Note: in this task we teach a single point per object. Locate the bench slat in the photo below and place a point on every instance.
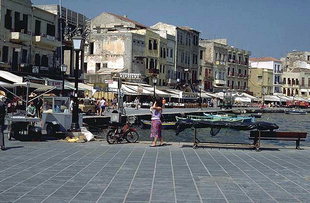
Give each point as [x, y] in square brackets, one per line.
[279, 135]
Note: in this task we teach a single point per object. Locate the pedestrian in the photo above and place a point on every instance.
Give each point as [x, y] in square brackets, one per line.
[2, 117]
[137, 103]
[114, 103]
[97, 105]
[31, 110]
[156, 125]
[102, 106]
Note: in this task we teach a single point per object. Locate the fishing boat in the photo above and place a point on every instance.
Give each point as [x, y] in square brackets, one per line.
[217, 117]
[146, 124]
[296, 112]
[227, 117]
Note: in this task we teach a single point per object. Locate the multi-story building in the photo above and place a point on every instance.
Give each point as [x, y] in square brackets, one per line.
[155, 54]
[261, 81]
[186, 52]
[28, 39]
[116, 46]
[296, 74]
[238, 69]
[167, 52]
[216, 53]
[296, 59]
[272, 64]
[68, 22]
[205, 71]
[297, 82]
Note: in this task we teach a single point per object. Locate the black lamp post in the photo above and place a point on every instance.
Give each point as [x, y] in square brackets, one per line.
[63, 69]
[200, 99]
[77, 46]
[154, 83]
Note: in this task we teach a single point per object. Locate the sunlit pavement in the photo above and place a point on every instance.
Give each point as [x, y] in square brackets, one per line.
[55, 171]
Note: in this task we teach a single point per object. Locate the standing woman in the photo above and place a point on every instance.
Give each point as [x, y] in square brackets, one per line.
[156, 110]
[2, 116]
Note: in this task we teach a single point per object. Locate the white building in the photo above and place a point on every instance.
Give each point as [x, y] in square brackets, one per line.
[271, 64]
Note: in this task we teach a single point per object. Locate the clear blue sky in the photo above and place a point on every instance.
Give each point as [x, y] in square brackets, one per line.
[265, 27]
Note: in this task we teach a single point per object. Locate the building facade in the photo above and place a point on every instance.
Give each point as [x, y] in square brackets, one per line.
[186, 52]
[28, 39]
[272, 64]
[238, 69]
[261, 81]
[297, 82]
[68, 22]
[216, 54]
[115, 46]
[229, 65]
[296, 73]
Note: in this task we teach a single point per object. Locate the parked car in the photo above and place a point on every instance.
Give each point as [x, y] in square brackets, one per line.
[87, 106]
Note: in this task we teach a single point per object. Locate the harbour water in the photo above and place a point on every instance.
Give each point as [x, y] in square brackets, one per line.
[285, 122]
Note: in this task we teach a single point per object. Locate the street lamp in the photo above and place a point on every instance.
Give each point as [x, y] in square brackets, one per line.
[200, 99]
[77, 42]
[154, 82]
[63, 69]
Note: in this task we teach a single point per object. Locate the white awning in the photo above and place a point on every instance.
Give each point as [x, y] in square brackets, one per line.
[128, 91]
[271, 98]
[243, 99]
[10, 77]
[82, 86]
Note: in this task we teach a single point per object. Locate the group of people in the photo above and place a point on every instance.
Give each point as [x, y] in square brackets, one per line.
[102, 104]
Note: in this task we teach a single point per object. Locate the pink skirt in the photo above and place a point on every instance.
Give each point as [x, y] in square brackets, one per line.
[156, 128]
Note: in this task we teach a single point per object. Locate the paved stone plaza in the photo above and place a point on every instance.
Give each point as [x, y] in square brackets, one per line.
[55, 171]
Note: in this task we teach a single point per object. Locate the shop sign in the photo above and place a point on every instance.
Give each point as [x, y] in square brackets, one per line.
[34, 80]
[55, 83]
[132, 76]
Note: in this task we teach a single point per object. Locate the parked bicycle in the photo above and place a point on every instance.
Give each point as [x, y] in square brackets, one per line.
[120, 132]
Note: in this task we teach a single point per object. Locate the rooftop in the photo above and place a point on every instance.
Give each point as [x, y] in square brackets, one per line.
[264, 59]
[124, 18]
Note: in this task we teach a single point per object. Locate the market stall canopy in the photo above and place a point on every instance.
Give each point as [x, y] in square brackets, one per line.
[243, 99]
[10, 77]
[82, 86]
[271, 98]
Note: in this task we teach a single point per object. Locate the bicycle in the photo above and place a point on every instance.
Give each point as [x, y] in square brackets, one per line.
[120, 132]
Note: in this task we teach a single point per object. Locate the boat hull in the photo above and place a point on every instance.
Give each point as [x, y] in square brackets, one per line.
[146, 124]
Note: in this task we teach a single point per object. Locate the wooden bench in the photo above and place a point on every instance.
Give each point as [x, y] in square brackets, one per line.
[275, 135]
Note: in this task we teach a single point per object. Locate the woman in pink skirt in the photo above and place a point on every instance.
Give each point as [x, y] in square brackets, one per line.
[156, 110]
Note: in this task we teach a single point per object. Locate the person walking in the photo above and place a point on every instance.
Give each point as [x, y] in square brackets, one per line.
[2, 116]
[137, 103]
[102, 106]
[156, 124]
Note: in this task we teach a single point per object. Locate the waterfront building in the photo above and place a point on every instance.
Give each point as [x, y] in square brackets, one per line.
[205, 75]
[216, 54]
[261, 81]
[28, 40]
[238, 69]
[297, 82]
[230, 65]
[186, 53]
[118, 44]
[296, 59]
[272, 64]
[296, 74]
[115, 47]
[68, 22]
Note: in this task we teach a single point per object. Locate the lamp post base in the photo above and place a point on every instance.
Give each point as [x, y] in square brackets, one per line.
[75, 127]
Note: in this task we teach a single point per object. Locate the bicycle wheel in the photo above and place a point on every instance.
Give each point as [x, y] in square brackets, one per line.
[131, 136]
[111, 138]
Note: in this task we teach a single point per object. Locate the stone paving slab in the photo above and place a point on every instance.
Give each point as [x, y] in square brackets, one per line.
[55, 171]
